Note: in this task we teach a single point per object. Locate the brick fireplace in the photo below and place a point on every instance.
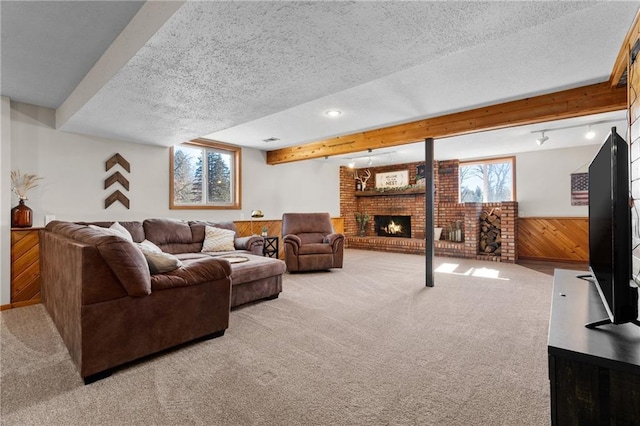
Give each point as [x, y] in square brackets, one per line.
[409, 203]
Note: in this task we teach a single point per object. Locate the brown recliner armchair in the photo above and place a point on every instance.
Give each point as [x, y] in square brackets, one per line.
[310, 243]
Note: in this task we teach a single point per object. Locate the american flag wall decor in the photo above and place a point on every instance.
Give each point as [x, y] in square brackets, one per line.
[580, 189]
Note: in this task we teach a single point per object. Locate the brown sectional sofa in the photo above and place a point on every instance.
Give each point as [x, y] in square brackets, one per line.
[108, 307]
[259, 278]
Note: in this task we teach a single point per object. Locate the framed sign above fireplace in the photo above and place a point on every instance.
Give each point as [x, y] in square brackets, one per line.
[392, 179]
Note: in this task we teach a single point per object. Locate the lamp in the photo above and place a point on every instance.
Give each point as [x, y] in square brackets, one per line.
[254, 214]
[542, 139]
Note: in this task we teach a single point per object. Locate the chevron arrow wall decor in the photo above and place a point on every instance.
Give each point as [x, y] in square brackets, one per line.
[118, 159]
[116, 177]
[116, 196]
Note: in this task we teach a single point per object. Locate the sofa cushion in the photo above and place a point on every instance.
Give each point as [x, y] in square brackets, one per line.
[167, 231]
[172, 236]
[311, 237]
[258, 267]
[218, 239]
[193, 272]
[315, 249]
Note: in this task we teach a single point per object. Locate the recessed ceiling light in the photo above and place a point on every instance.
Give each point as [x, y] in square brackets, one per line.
[333, 113]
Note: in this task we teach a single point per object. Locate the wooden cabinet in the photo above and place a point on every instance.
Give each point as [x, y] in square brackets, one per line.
[25, 266]
[594, 373]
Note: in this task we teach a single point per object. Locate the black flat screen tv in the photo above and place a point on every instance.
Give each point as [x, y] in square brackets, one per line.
[610, 231]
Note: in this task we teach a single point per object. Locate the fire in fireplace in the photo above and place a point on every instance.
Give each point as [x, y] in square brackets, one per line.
[393, 226]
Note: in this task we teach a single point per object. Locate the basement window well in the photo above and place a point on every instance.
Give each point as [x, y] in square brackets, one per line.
[205, 175]
[487, 181]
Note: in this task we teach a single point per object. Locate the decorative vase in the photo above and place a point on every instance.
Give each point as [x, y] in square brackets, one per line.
[21, 216]
[363, 229]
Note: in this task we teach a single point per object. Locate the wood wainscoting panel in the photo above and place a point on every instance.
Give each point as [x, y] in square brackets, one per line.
[554, 238]
[25, 266]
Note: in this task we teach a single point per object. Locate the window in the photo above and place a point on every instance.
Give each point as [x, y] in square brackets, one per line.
[487, 181]
[205, 175]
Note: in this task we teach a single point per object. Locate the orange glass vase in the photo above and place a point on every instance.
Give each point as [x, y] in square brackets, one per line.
[21, 216]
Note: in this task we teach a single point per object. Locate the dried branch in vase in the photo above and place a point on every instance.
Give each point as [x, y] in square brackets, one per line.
[20, 183]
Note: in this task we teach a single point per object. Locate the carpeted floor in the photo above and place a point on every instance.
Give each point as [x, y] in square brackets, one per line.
[364, 345]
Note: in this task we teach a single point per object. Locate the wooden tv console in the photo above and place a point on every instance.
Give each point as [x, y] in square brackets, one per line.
[594, 373]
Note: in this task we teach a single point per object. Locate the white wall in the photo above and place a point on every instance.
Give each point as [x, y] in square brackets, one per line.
[5, 200]
[543, 181]
[73, 168]
[73, 186]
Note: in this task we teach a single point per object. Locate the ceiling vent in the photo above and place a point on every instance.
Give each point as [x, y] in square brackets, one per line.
[271, 139]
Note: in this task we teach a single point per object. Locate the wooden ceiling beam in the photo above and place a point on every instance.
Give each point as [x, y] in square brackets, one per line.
[581, 101]
[620, 66]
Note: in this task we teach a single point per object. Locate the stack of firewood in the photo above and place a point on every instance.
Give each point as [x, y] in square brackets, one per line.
[490, 238]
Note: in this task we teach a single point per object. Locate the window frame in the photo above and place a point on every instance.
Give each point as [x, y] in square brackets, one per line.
[511, 159]
[236, 174]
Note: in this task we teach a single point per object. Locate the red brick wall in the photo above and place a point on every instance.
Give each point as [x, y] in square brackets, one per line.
[447, 188]
[397, 205]
[447, 211]
[348, 200]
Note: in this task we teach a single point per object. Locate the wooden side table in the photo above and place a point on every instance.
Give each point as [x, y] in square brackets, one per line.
[271, 247]
[25, 266]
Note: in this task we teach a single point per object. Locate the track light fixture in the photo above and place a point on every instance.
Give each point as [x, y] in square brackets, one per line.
[590, 133]
[369, 156]
[542, 139]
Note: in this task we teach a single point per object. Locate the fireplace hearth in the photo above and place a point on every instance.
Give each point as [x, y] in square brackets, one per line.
[393, 226]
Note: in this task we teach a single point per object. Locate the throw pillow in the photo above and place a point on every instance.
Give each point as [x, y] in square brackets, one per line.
[115, 229]
[217, 239]
[159, 262]
[150, 246]
[122, 230]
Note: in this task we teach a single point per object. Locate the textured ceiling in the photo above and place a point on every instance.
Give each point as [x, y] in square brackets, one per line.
[48, 47]
[241, 72]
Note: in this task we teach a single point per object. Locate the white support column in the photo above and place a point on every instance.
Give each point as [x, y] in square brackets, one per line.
[5, 200]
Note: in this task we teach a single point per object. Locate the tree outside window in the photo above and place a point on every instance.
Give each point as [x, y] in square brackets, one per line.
[206, 175]
[487, 181]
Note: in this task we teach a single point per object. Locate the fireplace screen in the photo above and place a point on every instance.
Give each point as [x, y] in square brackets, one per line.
[393, 226]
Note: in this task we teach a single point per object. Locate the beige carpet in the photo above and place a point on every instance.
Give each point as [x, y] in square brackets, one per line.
[368, 344]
